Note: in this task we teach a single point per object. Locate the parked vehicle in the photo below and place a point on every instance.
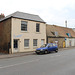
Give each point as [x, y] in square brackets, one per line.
[46, 48]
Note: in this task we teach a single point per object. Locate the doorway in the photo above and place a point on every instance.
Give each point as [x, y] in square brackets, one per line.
[16, 43]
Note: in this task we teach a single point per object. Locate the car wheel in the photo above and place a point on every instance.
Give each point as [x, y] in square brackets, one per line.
[56, 50]
[37, 53]
[46, 52]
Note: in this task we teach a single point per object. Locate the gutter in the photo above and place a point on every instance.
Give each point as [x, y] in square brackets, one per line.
[20, 18]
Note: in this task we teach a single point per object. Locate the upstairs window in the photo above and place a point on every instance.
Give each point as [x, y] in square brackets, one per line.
[37, 27]
[23, 26]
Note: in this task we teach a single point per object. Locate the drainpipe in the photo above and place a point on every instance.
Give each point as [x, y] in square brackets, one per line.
[47, 39]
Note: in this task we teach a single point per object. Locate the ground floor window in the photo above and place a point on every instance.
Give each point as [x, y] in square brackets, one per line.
[34, 42]
[26, 42]
[42, 41]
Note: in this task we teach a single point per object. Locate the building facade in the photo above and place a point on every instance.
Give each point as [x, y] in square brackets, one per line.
[70, 42]
[25, 32]
[62, 36]
[74, 29]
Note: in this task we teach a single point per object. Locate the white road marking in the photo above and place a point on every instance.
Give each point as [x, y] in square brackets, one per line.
[19, 64]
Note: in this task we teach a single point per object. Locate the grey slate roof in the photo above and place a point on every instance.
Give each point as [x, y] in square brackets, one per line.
[25, 16]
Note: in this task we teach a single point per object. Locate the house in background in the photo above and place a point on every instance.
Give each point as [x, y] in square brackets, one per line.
[62, 36]
[74, 29]
[2, 16]
[21, 32]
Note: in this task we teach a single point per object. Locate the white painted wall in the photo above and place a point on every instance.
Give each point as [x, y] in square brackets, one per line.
[68, 42]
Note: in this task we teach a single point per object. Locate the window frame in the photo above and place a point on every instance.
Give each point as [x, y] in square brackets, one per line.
[26, 45]
[35, 43]
[24, 26]
[37, 27]
[43, 41]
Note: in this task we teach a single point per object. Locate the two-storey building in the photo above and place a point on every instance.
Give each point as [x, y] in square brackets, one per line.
[22, 32]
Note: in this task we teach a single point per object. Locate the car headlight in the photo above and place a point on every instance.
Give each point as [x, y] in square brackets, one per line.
[41, 49]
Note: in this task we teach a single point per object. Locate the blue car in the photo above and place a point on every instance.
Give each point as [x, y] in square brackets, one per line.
[46, 48]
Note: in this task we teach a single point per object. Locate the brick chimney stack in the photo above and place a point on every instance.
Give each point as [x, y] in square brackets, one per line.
[2, 16]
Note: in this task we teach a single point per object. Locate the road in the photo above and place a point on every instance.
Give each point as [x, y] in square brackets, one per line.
[61, 63]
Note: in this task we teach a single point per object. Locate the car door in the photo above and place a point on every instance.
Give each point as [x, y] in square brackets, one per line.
[50, 48]
[54, 46]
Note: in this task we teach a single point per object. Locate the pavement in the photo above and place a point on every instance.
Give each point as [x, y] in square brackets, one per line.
[3, 56]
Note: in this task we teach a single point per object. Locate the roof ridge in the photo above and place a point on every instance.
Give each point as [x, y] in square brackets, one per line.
[61, 27]
[25, 16]
[25, 13]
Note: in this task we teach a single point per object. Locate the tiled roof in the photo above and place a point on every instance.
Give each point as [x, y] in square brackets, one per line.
[61, 31]
[25, 16]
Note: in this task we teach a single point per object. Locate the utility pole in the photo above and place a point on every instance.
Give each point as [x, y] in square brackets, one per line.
[66, 23]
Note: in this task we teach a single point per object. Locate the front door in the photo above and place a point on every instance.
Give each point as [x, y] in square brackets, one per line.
[15, 45]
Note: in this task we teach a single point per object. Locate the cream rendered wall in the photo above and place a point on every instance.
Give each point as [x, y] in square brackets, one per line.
[31, 34]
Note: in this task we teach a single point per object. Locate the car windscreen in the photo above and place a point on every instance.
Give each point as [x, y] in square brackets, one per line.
[44, 45]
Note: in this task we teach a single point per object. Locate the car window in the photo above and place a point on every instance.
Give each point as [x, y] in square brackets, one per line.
[50, 45]
[44, 45]
[54, 44]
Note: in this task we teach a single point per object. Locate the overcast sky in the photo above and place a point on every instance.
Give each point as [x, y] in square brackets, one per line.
[51, 11]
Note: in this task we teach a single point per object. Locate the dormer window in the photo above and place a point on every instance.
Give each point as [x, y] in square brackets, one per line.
[55, 33]
[68, 34]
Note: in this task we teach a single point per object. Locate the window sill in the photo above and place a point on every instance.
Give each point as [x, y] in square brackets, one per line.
[26, 47]
[24, 31]
[37, 32]
[35, 47]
